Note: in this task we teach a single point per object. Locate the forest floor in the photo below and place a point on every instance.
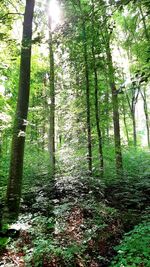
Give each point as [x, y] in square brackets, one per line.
[83, 232]
[76, 221]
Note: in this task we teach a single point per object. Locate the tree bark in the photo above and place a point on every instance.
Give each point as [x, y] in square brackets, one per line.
[144, 23]
[107, 114]
[147, 124]
[134, 128]
[52, 105]
[118, 153]
[125, 123]
[132, 106]
[18, 141]
[87, 84]
[146, 115]
[99, 134]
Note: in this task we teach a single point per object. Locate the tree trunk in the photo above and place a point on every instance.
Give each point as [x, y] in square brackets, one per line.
[87, 84]
[17, 153]
[118, 153]
[100, 150]
[132, 111]
[107, 114]
[147, 124]
[125, 123]
[146, 116]
[99, 134]
[1, 145]
[144, 23]
[134, 128]
[52, 105]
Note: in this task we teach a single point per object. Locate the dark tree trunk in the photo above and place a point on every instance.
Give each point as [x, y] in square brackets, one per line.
[32, 121]
[52, 106]
[134, 128]
[147, 124]
[99, 134]
[144, 23]
[100, 149]
[17, 153]
[1, 145]
[125, 123]
[132, 106]
[143, 94]
[118, 153]
[87, 84]
[107, 114]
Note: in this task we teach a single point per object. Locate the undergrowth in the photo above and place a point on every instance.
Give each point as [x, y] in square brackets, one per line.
[134, 249]
[80, 220]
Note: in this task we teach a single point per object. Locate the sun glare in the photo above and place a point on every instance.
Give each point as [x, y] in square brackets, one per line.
[54, 13]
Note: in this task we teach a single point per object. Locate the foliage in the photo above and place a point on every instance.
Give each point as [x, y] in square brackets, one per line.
[48, 251]
[37, 166]
[69, 238]
[77, 218]
[3, 242]
[132, 190]
[134, 249]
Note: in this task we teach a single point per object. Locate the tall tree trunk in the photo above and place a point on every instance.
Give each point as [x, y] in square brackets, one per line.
[32, 128]
[146, 116]
[118, 153]
[144, 23]
[52, 105]
[147, 124]
[125, 123]
[107, 114]
[132, 106]
[99, 134]
[1, 145]
[134, 128]
[100, 149]
[85, 54]
[17, 153]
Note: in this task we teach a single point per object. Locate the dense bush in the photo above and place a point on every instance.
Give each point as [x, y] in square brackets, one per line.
[134, 249]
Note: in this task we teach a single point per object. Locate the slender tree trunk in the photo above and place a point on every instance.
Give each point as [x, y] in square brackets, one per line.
[126, 128]
[134, 128]
[144, 23]
[32, 129]
[1, 145]
[87, 84]
[99, 134]
[147, 124]
[52, 105]
[17, 153]
[132, 111]
[107, 114]
[87, 102]
[100, 149]
[146, 116]
[43, 136]
[118, 153]
[125, 123]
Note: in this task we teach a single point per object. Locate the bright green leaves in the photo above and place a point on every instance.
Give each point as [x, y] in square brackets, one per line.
[134, 249]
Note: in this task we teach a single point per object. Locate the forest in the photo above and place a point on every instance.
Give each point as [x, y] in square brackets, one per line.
[74, 133]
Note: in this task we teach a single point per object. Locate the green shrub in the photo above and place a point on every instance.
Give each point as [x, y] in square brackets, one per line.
[134, 249]
[3, 242]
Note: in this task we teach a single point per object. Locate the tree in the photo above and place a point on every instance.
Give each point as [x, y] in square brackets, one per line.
[52, 104]
[117, 139]
[99, 134]
[144, 97]
[87, 85]
[18, 141]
